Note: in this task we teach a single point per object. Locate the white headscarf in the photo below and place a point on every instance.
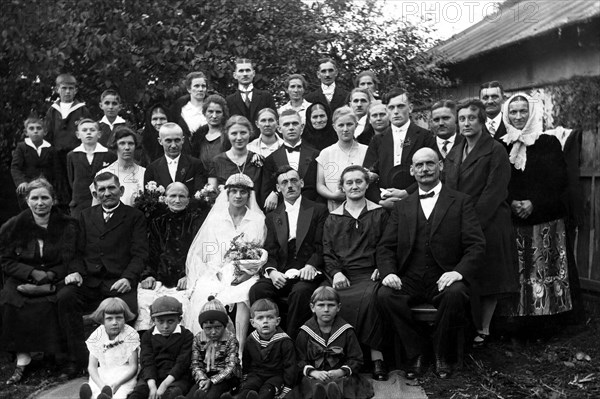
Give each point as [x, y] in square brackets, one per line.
[522, 138]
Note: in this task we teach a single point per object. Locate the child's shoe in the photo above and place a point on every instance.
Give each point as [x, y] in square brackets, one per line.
[319, 392]
[85, 392]
[252, 395]
[106, 390]
[333, 391]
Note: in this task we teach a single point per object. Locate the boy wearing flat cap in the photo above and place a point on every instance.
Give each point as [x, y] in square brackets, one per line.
[166, 353]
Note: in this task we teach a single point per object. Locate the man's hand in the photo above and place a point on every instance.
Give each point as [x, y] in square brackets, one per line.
[121, 286]
[308, 273]
[74, 278]
[340, 281]
[319, 375]
[389, 202]
[394, 193]
[447, 279]
[182, 283]
[38, 276]
[392, 281]
[278, 279]
[21, 188]
[271, 201]
[375, 275]
[148, 283]
[205, 385]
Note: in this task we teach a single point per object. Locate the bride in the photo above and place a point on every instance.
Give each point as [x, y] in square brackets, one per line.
[235, 211]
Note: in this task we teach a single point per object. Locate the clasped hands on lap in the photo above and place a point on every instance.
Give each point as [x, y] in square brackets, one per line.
[149, 283]
[307, 273]
[445, 280]
[325, 376]
[122, 285]
[340, 281]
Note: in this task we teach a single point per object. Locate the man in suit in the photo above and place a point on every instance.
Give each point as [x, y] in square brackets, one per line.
[443, 126]
[295, 245]
[329, 92]
[430, 252]
[390, 153]
[293, 152]
[247, 100]
[492, 96]
[111, 252]
[379, 118]
[175, 166]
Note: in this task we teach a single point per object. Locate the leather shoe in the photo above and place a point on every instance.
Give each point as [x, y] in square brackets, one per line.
[333, 391]
[416, 368]
[379, 371]
[319, 391]
[442, 368]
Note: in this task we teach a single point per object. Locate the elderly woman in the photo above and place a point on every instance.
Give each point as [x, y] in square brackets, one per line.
[479, 167]
[36, 247]
[171, 235]
[235, 213]
[318, 130]
[156, 116]
[350, 238]
[210, 139]
[368, 81]
[295, 86]
[333, 159]
[536, 196]
[130, 174]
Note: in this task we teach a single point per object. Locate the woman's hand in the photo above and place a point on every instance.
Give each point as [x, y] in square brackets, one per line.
[375, 275]
[257, 160]
[340, 281]
[148, 283]
[337, 373]
[522, 209]
[182, 283]
[205, 385]
[319, 375]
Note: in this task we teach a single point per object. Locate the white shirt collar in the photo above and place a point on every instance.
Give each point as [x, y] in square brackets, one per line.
[293, 207]
[292, 146]
[99, 148]
[436, 190]
[112, 209]
[497, 120]
[176, 331]
[175, 160]
[401, 129]
[249, 88]
[44, 144]
[328, 89]
[118, 120]
[450, 139]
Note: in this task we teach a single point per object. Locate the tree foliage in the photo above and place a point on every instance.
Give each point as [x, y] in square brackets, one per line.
[144, 48]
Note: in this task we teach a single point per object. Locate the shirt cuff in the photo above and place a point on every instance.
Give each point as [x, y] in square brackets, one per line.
[307, 369]
[268, 270]
[348, 369]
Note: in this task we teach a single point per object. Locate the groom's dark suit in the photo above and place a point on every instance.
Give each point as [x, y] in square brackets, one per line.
[419, 251]
[189, 172]
[306, 249]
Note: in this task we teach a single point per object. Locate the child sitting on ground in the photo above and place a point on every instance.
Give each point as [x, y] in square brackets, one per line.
[215, 362]
[269, 360]
[113, 350]
[166, 354]
[34, 158]
[84, 162]
[329, 353]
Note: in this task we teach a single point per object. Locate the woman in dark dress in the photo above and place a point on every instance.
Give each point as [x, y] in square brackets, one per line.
[479, 167]
[536, 195]
[156, 116]
[210, 139]
[318, 130]
[238, 159]
[36, 247]
[350, 238]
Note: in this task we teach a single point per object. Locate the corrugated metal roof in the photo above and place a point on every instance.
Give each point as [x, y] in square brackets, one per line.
[515, 21]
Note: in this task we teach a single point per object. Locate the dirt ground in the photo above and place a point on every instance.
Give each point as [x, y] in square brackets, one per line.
[548, 362]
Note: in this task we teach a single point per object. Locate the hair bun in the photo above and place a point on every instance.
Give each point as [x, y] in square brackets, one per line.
[211, 297]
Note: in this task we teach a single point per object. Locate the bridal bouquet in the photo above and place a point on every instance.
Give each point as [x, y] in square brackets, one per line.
[246, 257]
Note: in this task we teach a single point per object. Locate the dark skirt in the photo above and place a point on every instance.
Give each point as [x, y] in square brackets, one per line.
[543, 269]
[32, 327]
[360, 310]
[353, 387]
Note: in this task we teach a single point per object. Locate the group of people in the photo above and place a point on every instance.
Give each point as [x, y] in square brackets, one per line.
[334, 189]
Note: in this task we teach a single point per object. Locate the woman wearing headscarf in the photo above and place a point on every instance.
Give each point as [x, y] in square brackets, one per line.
[318, 130]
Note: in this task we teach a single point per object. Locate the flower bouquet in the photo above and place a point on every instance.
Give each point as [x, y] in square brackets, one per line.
[208, 194]
[151, 200]
[245, 257]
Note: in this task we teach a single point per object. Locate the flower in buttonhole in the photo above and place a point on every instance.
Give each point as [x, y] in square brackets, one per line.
[151, 186]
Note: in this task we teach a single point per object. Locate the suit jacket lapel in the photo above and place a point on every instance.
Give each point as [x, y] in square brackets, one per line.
[440, 209]
[481, 149]
[163, 170]
[409, 140]
[255, 101]
[281, 227]
[115, 220]
[303, 161]
[183, 167]
[412, 205]
[304, 219]
[280, 157]
[97, 219]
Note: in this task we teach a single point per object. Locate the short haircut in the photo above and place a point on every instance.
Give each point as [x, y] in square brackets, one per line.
[296, 76]
[124, 131]
[66, 78]
[34, 119]
[283, 169]
[366, 73]
[112, 305]
[194, 75]
[324, 293]
[219, 100]
[177, 184]
[171, 126]
[290, 112]
[490, 85]
[395, 92]
[325, 60]
[40, 182]
[239, 61]
[343, 111]
[444, 104]
[354, 168]
[263, 305]
[110, 92]
[269, 110]
[238, 120]
[474, 104]
[105, 176]
[359, 90]
[87, 120]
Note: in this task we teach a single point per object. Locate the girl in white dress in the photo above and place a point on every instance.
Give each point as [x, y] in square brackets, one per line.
[113, 347]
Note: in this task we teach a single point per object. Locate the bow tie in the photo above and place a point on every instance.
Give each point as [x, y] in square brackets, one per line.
[428, 195]
[292, 149]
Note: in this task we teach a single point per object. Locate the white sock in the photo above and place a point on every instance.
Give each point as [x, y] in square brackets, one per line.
[23, 359]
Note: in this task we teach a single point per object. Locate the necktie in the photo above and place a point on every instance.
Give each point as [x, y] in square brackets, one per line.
[428, 195]
[247, 98]
[292, 149]
[445, 148]
[107, 216]
[492, 128]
